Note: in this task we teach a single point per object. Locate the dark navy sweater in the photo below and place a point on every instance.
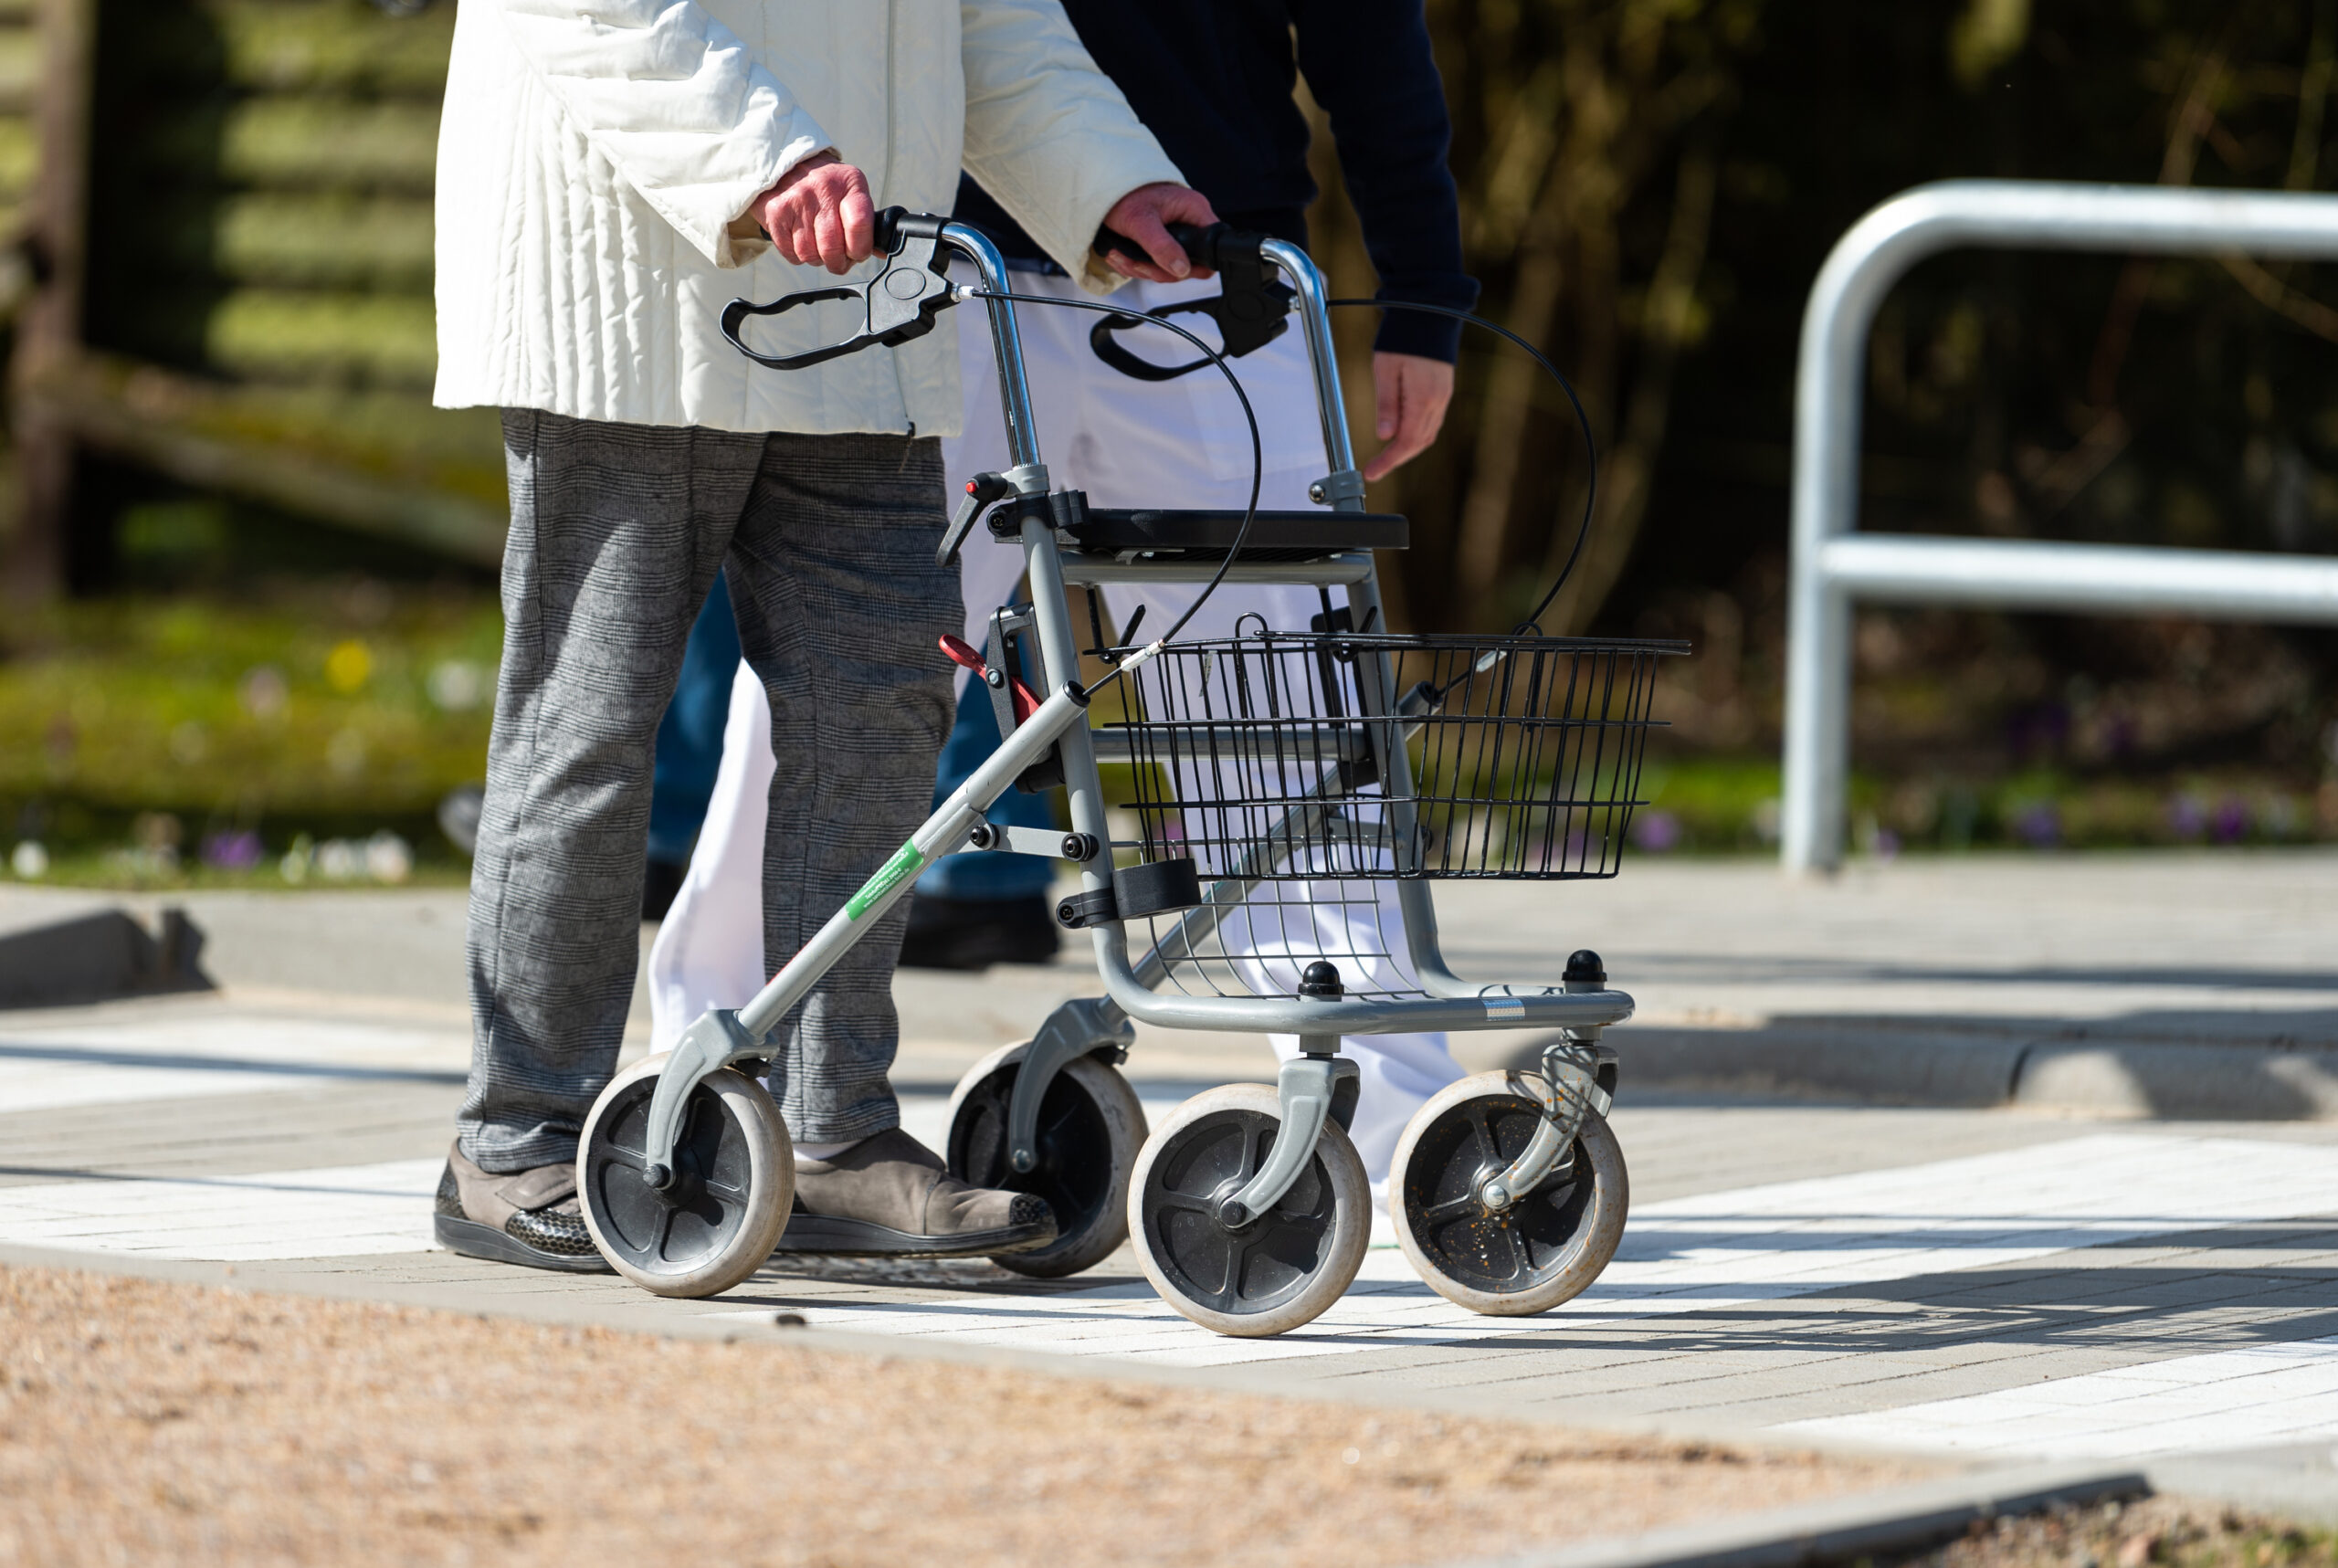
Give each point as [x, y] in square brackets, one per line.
[1213, 80]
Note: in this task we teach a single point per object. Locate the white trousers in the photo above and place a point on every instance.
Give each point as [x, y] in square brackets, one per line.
[1127, 443]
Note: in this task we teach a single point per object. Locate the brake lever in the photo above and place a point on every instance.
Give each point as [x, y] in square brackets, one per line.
[901, 303]
[1251, 310]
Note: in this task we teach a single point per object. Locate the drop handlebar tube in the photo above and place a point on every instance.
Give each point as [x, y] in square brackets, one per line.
[718, 1038]
[942, 832]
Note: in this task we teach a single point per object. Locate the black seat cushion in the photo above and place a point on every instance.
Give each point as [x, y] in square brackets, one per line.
[1288, 535]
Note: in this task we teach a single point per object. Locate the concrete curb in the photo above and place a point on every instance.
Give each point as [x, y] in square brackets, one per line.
[2283, 1068]
[2297, 1481]
[1840, 1530]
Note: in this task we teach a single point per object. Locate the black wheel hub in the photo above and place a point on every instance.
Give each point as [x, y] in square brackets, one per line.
[1499, 1250]
[693, 1219]
[1074, 1172]
[1252, 1267]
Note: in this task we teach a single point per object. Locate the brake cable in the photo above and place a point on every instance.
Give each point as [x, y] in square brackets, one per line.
[1590, 446]
[1257, 460]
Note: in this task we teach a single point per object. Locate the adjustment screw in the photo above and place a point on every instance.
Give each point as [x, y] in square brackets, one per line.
[981, 836]
[1077, 846]
[995, 678]
[1315, 492]
[1322, 980]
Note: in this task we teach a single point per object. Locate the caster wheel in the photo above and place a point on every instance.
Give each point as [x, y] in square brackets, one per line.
[1091, 1128]
[1542, 1250]
[1284, 1268]
[734, 1181]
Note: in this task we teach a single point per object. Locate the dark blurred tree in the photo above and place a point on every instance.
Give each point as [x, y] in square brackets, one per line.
[1650, 186]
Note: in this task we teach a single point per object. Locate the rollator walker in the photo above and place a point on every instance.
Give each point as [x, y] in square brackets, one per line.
[1265, 772]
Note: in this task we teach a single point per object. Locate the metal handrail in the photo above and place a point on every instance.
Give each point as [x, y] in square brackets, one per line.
[1832, 567]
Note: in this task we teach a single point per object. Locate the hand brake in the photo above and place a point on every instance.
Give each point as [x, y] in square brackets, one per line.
[899, 303]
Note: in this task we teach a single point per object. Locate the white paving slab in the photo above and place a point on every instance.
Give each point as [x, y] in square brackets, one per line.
[346, 1211]
[51, 1066]
[2254, 1397]
[1719, 1250]
[1735, 1249]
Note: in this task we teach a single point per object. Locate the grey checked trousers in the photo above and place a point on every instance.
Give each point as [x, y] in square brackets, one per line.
[616, 533]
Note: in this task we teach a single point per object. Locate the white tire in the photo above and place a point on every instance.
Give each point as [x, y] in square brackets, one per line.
[1283, 1270]
[734, 1182]
[1544, 1248]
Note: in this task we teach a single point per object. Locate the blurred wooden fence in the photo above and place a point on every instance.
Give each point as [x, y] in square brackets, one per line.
[224, 206]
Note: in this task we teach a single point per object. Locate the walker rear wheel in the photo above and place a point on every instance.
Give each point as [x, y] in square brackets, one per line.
[1091, 1128]
[734, 1181]
[1274, 1274]
[1544, 1248]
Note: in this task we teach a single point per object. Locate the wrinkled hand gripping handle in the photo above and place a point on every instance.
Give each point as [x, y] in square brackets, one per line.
[901, 303]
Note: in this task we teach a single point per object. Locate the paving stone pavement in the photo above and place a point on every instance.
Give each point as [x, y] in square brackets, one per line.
[1992, 1284]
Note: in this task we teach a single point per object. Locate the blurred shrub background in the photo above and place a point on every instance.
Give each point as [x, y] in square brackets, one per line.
[226, 475]
[1650, 188]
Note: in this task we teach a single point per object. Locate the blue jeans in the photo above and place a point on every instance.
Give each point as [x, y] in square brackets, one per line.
[985, 875]
[690, 737]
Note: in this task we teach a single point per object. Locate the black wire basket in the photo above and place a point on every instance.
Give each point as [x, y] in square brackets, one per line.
[1499, 758]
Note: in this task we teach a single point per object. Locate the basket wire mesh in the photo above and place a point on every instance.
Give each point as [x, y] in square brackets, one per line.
[1283, 756]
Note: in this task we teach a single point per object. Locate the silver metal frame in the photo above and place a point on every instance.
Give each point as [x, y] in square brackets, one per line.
[1833, 566]
[1310, 1086]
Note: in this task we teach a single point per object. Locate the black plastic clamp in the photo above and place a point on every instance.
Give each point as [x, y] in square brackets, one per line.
[1078, 911]
[1148, 888]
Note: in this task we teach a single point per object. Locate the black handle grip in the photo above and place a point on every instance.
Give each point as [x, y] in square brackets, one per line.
[1200, 244]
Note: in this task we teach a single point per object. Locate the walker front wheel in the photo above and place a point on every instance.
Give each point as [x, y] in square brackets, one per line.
[1091, 1128]
[1283, 1269]
[1546, 1246]
[734, 1181]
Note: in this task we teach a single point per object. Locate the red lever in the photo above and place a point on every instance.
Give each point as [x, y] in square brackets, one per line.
[963, 654]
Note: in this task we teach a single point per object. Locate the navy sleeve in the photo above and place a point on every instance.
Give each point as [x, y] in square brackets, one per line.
[1369, 64]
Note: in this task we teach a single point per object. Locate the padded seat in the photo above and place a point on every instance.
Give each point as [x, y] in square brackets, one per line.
[1274, 535]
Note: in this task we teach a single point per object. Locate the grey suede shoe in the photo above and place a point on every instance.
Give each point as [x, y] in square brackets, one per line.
[531, 1218]
[889, 1196]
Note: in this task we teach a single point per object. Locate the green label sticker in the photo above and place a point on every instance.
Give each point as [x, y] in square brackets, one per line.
[907, 861]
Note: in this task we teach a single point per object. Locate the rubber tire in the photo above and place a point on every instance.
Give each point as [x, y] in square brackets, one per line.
[751, 1125]
[1336, 1174]
[1119, 1117]
[1597, 1230]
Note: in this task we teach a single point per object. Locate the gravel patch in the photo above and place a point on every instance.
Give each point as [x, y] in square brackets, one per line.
[144, 1422]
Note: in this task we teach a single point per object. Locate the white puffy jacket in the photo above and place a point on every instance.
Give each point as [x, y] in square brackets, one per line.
[595, 159]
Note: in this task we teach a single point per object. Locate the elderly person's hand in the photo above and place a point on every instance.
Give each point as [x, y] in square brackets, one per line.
[820, 214]
[1413, 393]
[1144, 215]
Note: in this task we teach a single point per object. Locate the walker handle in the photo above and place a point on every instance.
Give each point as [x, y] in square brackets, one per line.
[901, 303]
[1200, 244]
[1251, 307]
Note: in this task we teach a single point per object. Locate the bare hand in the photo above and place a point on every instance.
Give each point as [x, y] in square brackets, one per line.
[1143, 216]
[1413, 393]
[820, 214]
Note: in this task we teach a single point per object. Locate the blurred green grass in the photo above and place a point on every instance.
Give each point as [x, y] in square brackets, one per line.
[152, 721]
[1730, 805]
